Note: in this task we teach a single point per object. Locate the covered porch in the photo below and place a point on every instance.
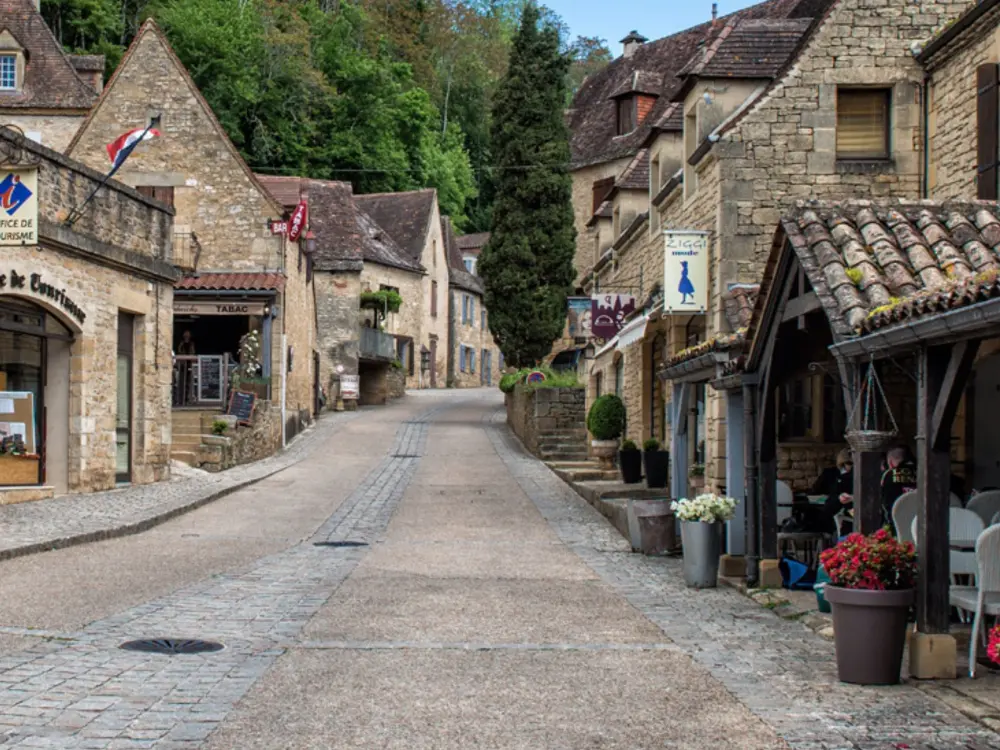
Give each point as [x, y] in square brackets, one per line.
[908, 291]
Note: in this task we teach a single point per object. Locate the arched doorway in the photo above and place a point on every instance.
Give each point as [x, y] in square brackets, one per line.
[34, 395]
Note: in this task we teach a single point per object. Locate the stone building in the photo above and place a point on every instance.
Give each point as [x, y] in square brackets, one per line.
[782, 101]
[43, 91]
[413, 220]
[469, 248]
[474, 358]
[242, 274]
[85, 317]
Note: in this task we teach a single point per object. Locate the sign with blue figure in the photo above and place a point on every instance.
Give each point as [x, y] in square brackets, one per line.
[19, 207]
[685, 281]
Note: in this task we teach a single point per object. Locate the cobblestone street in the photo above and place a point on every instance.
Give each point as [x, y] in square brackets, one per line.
[485, 605]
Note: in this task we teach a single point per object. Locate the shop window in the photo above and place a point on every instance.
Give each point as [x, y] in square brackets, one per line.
[8, 72]
[863, 124]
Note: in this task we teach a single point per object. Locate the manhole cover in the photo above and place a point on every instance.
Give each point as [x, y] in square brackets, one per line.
[172, 646]
[340, 544]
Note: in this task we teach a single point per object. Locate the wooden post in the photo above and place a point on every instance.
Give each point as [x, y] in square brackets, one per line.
[750, 486]
[768, 456]
[942, 372]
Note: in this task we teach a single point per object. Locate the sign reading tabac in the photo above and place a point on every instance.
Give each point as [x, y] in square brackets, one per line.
[685, 271]
[19, 207]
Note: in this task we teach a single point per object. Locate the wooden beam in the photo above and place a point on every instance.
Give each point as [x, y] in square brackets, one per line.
[963, 357]
[799, 306]
[867, 492]
[933, 470]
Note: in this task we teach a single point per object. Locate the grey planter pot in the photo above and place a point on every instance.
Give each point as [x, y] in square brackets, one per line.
[702, 549]
[869, 630]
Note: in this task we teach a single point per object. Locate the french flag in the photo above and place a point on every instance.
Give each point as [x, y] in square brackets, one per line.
[121, 147]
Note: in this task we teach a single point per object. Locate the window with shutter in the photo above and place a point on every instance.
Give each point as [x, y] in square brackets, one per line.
[626, 115]
[601, 190]
[461, 358]
[162, 194]
[434, 299]
[863, 124]
[987, 80]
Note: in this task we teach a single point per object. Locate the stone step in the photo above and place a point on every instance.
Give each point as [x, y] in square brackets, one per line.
[563, 435]
[562, 456]
[558, 446]
[188, 457]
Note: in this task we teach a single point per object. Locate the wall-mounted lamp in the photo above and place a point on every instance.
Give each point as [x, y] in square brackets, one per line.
[310, 243]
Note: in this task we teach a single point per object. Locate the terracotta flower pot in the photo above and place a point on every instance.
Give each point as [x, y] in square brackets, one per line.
[869, 633]
[631, 465]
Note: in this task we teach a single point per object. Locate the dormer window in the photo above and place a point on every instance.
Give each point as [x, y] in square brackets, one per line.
[626, 114]
[8, 72]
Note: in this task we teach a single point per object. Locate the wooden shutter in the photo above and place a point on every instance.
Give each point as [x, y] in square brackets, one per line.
[162, 194]
[434, 298]
[601, 190]
[986, 131]
[863, 124]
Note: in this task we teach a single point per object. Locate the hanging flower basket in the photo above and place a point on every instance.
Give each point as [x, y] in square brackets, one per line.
[867, 437]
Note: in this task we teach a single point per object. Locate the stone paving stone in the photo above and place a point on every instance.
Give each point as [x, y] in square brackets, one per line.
[782, 671]
[73, 519]
[84, 692]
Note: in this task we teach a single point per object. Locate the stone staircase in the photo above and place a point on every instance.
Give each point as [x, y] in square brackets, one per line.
[187, 428]
[565, 445]
[583, 471]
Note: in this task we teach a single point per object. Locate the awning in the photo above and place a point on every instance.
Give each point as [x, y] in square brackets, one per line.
[632, 332]
[242, 282]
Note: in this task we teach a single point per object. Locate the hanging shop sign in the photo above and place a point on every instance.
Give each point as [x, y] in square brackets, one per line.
[40, 287]
[19, 207]
[608, 313]
[237, 307]
[297, 223]
[578, 316]
[278, 227]
[685, 274]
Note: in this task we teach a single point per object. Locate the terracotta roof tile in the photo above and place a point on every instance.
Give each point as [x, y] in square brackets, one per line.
[738, 303]
[473, 241]
[636, 174]
[405, 216]
[249, 282]
[284, 190]
[876, 264]
[592, 116]
[50, 79]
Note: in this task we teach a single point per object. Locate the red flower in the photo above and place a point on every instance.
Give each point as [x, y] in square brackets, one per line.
[877, 562]
[993, 648]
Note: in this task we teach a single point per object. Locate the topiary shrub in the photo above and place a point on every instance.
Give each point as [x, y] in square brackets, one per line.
[606, 418]
[651, 445]
[508, 381]
[629, 446]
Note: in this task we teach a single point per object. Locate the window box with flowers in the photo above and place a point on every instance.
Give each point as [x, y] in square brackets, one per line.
[701, 536]
[871, 591]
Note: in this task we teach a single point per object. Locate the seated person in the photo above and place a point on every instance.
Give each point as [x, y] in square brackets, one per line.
[837, 483]
[899, 477]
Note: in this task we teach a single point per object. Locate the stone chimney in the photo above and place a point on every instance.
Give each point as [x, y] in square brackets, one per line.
[632, 42]
[90, 68]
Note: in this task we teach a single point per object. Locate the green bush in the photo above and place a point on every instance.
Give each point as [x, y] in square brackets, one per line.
[651, 445]
[508, 381]
[219, 427]
[606, 419]
[629, 446]
[553, 379]
[382, 300]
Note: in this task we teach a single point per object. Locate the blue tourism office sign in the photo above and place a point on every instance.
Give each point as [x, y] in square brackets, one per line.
[19, 207]
[685, 271]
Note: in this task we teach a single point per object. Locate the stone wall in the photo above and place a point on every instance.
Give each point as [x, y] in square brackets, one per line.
[953, 103]
[435, 327]
[337, 332]
[800, 464]
[298, 323]
[396, 382]
[533, 413]
[56, 131]
[583, 209]
[474, 334]
[409, 320]
[245, 444]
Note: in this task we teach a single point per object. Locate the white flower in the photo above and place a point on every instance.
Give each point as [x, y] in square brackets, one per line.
[707, 508]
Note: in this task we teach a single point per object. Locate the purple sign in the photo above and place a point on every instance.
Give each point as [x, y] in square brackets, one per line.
[608, 313]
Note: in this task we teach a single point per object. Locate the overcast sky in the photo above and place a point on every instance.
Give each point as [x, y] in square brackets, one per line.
[613, 19]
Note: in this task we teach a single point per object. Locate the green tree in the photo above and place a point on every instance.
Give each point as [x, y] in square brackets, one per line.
[527, 267]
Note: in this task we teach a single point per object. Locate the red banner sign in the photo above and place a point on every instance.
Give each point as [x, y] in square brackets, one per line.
[279, 227]
[297, 224]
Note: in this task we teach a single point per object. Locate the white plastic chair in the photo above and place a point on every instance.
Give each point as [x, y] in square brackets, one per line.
[905, 509]
[962, 524]
[984, 598]
[986, 504]
[785, 498]
[996, 519]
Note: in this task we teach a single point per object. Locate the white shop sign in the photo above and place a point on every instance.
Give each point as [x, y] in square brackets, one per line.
[237, 307]
[349, 387]
[685, 271]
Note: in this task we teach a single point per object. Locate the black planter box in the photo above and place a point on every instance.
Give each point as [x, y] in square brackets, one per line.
[631, 465]
[657, 466]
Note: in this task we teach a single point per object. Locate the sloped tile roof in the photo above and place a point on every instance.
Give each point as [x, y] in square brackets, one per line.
[405, 216]
[592, 116]
[457, 275]
[738, 303]
[749, 48]
[876, 264]
[473, 241]
[378, 246]
[249, 282]
[641, 82]
[284, 190]
[636, 174]
[50, 79]
[332, 218]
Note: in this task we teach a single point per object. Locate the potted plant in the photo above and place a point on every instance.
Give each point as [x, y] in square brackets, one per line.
[701, 536]
[696, 476]
[871, 591]
[630, 461]
[657, 463]
[606, 422]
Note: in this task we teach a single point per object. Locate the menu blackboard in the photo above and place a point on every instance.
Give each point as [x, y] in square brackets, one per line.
[241, 406]
[210, 387]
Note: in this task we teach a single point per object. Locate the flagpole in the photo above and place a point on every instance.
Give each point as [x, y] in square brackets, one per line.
[77, 213]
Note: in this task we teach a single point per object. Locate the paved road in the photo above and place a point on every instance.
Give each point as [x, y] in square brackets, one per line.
[491, 609]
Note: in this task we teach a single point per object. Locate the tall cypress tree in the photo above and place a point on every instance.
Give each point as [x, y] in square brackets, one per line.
[527, 266]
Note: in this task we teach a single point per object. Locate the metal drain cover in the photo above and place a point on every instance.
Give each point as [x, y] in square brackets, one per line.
[172, 646]
[340, 544]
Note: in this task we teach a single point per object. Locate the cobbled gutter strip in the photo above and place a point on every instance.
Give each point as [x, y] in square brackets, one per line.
[783, 672]
[89, 694]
